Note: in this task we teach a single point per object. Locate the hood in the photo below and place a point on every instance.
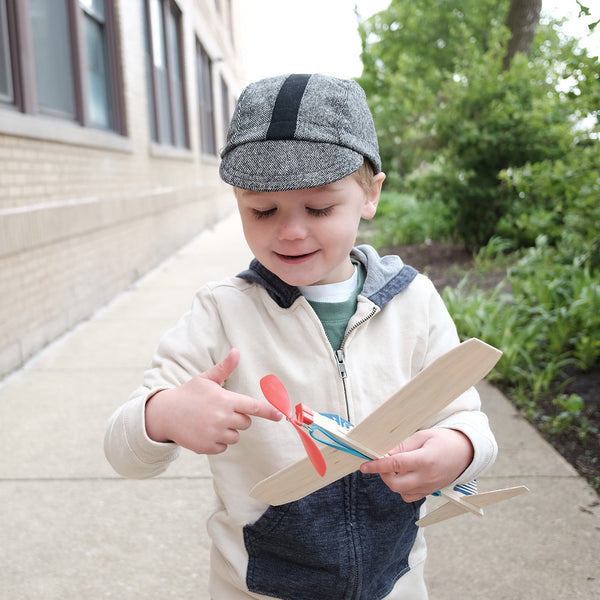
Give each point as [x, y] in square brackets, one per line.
[387, 276]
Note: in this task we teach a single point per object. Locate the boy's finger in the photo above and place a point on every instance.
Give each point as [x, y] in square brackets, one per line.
[403, 462]
[401, 459]
[413, 442]
[257, 408]
[221, 371]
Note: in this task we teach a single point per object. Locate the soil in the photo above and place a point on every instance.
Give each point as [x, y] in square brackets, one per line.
[446, 265]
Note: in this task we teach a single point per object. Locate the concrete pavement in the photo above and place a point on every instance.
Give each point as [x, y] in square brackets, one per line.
[71, 528]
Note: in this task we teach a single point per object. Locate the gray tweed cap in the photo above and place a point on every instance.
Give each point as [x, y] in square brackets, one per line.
[298, 131]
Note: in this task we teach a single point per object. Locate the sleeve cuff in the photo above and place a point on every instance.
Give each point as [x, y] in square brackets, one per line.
[485, 448]
[129, 449]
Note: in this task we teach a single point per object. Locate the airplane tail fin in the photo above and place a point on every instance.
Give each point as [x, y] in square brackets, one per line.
[451, 509]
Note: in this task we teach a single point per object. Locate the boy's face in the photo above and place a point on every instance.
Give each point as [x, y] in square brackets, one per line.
[305, 236]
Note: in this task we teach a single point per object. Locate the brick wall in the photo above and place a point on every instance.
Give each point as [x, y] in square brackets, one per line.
[83, 212]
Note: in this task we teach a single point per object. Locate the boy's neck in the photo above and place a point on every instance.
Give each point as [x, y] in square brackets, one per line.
[331, 292]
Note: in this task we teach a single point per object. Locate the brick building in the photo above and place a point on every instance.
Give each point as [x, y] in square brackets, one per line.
[111, 116]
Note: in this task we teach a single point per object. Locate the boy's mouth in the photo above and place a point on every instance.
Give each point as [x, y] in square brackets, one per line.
[295, 258]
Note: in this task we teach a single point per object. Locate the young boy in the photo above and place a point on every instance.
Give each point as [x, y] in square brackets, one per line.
[341, 327]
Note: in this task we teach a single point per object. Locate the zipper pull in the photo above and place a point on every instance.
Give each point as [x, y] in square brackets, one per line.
[341, 364]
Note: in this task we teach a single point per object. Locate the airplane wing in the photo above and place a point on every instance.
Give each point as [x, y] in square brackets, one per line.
[451, 509]
[444, 512]
[489, 498]
[399, 417]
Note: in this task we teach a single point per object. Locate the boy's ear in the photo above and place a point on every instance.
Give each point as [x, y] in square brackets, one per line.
[372, 196]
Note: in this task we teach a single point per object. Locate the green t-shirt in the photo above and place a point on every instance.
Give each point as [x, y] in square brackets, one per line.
[335, 315]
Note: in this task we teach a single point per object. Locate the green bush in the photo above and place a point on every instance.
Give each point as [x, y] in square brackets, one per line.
[558, 199]
[488, 125]
[552, 315]
[549, 321]
[401, 219]
[567, 294]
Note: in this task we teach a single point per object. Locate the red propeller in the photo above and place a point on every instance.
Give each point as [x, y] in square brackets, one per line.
[278, 396]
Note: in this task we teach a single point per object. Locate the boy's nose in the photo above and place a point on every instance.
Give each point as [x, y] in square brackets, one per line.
[292, 229]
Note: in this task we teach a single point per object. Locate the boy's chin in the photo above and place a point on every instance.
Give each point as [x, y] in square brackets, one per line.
[295, 281]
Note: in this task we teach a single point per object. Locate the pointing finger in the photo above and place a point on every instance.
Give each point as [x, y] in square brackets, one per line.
[257, 408]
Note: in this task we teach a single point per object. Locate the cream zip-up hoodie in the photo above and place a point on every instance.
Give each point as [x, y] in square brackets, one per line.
[354, 538]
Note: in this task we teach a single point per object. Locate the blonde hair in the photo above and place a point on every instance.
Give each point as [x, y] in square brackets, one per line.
[364, 175]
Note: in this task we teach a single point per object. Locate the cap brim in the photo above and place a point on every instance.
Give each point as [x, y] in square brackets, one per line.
[280, 165]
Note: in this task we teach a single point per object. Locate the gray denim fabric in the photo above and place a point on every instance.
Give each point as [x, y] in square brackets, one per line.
[348, 541]
[298, 131]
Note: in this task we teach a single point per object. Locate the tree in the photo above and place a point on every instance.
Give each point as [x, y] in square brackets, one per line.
[462, 90]
[409, 52]
[522, 21]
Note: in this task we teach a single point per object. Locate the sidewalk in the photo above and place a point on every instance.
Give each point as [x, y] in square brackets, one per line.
[72, 529]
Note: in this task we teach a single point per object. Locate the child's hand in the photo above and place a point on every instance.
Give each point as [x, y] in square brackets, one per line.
[424, 463]
[201, 415]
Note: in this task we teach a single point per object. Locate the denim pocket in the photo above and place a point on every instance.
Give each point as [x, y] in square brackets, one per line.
[387, 533]
[350, 539]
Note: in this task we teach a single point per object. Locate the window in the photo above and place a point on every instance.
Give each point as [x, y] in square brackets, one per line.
[52, 57]
[164, 69]
[61, 60]
[208, 143]
[99, 81]
[225, 110]
[6, 84]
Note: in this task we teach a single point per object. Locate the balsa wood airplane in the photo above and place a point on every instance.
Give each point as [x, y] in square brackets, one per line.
[347, 446]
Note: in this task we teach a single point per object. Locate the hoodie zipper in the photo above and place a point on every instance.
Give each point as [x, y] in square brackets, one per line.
[351, 516]
[340, 356]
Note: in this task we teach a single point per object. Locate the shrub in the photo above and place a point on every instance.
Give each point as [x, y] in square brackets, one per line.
[551, 320]
[402, 219]
[488, 125]
[558, 199]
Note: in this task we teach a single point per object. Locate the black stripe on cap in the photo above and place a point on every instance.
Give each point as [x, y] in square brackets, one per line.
[287, 105]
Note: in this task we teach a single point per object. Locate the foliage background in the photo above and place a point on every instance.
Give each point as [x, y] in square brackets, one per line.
[502, 157]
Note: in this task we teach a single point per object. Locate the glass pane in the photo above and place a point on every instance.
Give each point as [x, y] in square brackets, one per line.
[149, 88]
[156, 23]
[51, 47]
[164, 104]
[161, 79]
[226, 116]
[99, 93]
[94, 7]
[6, 89]
[207, 127]
[176, 79]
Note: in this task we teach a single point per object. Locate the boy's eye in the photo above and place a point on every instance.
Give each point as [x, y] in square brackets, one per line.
[263, 214]
[319, 212]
